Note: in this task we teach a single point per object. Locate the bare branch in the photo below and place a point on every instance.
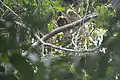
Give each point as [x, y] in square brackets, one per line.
[65, 49]
[68, 26]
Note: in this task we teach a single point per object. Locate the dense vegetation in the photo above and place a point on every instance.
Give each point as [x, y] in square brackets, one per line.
[33, 47]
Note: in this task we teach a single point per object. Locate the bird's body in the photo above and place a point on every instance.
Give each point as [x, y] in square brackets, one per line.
[61, 21]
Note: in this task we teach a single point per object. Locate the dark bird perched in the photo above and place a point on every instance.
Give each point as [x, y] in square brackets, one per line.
[61, 21]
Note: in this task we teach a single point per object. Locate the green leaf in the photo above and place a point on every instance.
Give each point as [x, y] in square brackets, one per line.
[50, 27]
[23, 67]
[8, 77]
[41, 69]
[57, 6]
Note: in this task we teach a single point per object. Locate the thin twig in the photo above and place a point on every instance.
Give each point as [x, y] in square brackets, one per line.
[9, 9]
[21, 22]
[56, 26]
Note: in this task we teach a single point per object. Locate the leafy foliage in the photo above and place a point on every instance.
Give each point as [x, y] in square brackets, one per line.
[21, 19]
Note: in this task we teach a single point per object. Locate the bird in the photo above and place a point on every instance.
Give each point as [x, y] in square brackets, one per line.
[61, 21]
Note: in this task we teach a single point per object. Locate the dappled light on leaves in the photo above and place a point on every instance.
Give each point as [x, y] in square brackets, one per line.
[34, 47]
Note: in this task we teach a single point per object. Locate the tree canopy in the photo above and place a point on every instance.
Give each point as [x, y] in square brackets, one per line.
[33, 47]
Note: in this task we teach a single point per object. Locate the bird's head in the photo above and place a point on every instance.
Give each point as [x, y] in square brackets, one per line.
[60, 13]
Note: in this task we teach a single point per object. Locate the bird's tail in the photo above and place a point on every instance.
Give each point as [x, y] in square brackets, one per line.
[67, 34]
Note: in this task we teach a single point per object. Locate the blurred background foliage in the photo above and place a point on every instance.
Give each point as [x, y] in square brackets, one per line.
[20, 19]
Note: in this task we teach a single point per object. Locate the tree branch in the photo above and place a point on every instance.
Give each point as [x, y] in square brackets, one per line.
[64, 28]
[65, 49]
[60, 29]
[68, 26]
